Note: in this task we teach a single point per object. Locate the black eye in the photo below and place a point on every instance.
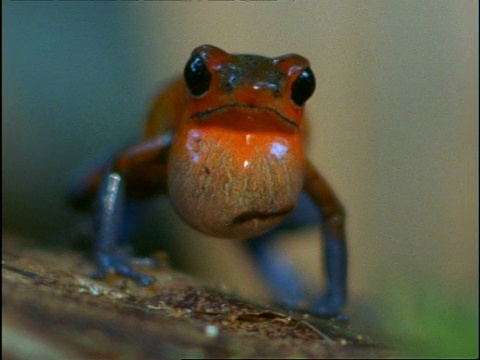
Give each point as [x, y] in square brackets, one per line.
[303, 87]
[197, 76]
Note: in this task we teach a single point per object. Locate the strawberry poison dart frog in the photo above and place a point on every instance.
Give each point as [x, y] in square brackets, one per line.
[226, 144]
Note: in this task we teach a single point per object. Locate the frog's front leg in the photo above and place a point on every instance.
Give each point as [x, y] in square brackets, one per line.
[335, 248]
[109, 254]
[317, 206]
[109, 215]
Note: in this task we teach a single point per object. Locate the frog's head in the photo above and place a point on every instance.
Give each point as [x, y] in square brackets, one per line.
[217, 81]
[236, 164]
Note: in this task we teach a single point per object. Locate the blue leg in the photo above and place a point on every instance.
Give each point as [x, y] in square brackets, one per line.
[280, 274]
[109, 221]
[277, 271]
[335, 248]
[333, 299]
[114, 217]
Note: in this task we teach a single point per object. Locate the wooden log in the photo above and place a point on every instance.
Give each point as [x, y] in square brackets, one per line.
[52, 310]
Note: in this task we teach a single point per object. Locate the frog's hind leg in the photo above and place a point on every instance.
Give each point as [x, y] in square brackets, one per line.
[275, 267]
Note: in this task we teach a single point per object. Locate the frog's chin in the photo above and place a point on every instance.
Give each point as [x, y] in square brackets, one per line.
[246, 225]
[260, 215]
[254, 223]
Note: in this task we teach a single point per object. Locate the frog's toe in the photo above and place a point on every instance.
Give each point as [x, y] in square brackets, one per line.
[329, 305]
[108, 263]
[145, 280]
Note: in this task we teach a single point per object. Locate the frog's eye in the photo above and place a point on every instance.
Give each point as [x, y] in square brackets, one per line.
[303, 87]
[197, 76]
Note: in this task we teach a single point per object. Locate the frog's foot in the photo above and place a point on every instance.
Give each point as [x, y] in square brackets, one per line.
[329, 306]
[111, 262]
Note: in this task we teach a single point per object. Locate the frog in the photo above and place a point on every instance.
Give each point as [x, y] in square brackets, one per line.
[225, 143]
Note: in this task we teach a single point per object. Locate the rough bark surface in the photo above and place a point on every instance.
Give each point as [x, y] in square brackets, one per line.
[51, 309]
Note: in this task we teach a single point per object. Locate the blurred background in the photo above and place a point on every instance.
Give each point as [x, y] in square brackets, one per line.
[394, 129]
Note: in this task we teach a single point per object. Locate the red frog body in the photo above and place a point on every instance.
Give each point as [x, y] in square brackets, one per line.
[226, 144]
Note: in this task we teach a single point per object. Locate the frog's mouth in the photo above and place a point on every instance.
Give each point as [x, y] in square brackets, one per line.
[259, 215]
[206, 114]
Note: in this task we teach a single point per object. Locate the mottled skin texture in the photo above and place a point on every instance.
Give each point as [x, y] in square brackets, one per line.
[226, 144]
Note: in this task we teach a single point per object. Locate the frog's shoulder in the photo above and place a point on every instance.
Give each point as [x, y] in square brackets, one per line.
[166, 109]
